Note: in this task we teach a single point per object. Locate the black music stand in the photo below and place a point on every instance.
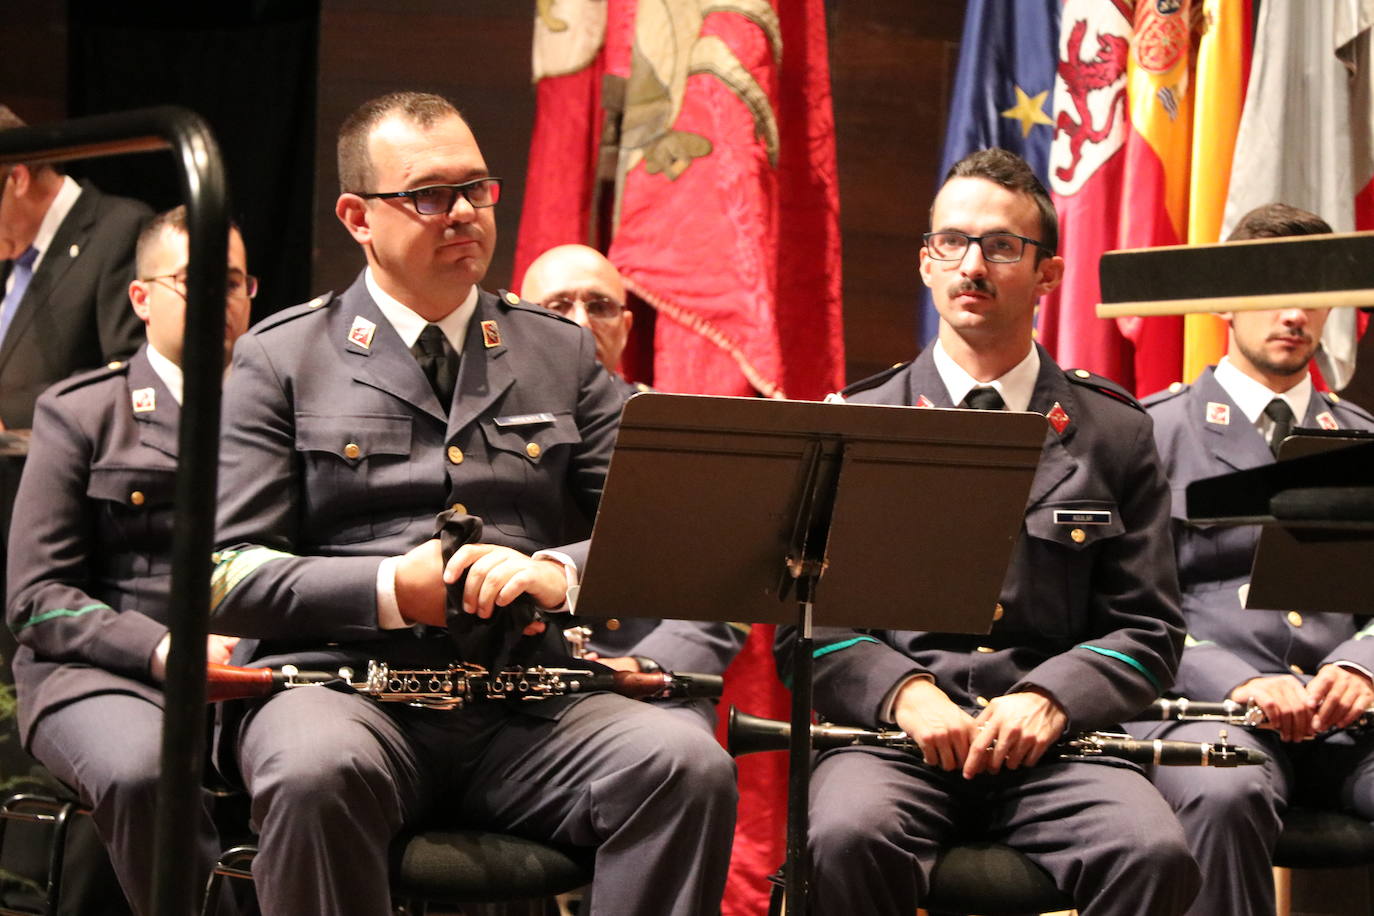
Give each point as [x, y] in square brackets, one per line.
[717, 508]
[1317, 508]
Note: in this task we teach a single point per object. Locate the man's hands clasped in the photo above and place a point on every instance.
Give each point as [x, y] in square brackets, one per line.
[1012, 731]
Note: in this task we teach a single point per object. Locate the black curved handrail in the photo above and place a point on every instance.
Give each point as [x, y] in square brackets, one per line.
[205, 191]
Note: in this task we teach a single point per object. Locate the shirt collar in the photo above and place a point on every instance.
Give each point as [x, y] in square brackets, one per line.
[1015, 387]
[1252, 396]
[168, 371]
[409, 324]
[57, 211]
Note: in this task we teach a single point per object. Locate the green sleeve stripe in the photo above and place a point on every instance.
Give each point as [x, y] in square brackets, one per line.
[62, 612]
[837, 646]
[1123, 657]
[233, 566]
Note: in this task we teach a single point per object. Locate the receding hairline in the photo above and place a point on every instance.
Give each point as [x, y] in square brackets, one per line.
[582, 256]
[423, 109]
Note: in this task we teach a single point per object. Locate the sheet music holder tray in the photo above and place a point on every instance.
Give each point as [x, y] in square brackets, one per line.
[703, 492]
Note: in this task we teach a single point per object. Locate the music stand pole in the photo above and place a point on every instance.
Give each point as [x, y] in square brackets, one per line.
[805, 564]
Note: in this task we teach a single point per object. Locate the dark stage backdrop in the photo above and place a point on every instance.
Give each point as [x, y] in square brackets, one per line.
[249, 70]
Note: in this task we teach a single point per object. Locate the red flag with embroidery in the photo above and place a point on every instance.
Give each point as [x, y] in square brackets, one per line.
[1086, 165]
[702, 143]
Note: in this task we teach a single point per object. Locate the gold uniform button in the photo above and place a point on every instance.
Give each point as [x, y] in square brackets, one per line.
[1078, 535]
[1082, 373]
[1335, 398]
[352, 451]
[136, 497]
[1295, 618]
[981, 701]
[1295, 669]
[1175, 387]
[455, 454]
[613, 624]
[532, 449]
[114, 364]
[998, 611]
[460, 509]
[986, 649]
[512, 298]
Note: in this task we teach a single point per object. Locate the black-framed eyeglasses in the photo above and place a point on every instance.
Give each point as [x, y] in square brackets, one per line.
[599, 308]
[237, 284]
[998, 247]
[440, 198]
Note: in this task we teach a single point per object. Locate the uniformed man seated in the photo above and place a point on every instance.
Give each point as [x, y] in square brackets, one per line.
[581, 284]
[1086, 632]
[1310, 673]
[90, 565]
[349, 423]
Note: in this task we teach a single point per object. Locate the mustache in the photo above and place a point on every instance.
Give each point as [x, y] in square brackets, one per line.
[1299, 333]
[972, 285]
[467, 231]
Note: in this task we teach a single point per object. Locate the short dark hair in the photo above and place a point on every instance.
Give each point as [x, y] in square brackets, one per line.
[1276, 220]
[1010, 171]
[173, 220]
[355, 162]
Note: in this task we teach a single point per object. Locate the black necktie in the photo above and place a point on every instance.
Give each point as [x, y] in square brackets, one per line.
[438, 360]
[1282, 415]
[984, 399]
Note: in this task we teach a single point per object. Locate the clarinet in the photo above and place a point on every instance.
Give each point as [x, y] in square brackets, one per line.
[748, 734]
[458, 685]
[1229, 712]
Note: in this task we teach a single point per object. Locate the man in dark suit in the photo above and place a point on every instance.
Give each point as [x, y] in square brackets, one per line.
[1309, 672]
[71, 248]
[90, 576]
[1087, 630]
[581, 284]
[339, 448]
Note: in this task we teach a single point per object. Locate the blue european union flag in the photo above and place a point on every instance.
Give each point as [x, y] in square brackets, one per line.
[1003, 93]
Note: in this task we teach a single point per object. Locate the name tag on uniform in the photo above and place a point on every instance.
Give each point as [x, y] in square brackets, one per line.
[1082, 516]
[523, 419]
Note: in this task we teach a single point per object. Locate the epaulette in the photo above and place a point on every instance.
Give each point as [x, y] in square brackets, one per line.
[295, 311]
[873, 381]
[82, 379]
[513, 300]
[1103, 384]
[1164, 394]
[1335, 399]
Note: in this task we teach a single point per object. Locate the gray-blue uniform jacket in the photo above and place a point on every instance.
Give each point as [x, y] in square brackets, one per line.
[89, 565]
[1088, 613]
[1226, 644]
[336, 454]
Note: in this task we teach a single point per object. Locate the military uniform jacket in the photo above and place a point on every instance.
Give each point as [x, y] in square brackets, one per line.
[90, 552]
[1228, 645]
[336, 454]
[75, 314]
[1087, 612]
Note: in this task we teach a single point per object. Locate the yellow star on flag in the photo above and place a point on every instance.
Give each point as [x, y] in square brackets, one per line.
[1029, 110]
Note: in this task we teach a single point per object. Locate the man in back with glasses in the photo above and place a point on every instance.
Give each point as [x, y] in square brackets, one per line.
[351, 421]
[582, 285]
[1086, 631]
[90, 565]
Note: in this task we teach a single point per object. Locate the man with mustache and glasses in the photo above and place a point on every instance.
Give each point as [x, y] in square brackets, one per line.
[1086, 631]
[1308, 672]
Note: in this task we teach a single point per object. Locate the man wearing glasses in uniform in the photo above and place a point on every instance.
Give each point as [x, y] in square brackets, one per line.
[90, 565]
[580, 284]
[349, 422]
[1086, 632]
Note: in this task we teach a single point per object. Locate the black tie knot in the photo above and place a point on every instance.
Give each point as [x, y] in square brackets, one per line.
[984, 398]
[1282, 415]
[438, 361]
